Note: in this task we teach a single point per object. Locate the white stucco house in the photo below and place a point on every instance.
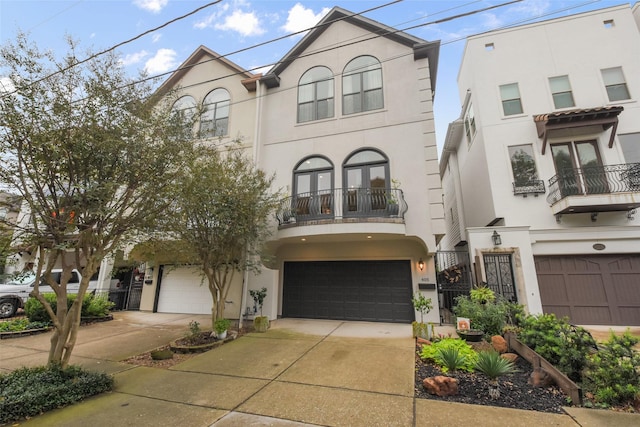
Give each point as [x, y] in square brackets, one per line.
[345, 121]
[541, 172]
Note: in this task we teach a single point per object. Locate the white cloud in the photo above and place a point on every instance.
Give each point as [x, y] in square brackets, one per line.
[245, 23]
[207, 20]
[164, 60]
[134, 58]
[154, 6]
[156, 38]
[491, 21]
[301, 18]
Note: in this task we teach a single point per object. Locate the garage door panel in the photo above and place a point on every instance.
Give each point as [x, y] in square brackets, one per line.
[629, 315]
[627, 288]
[553, 290]
[349, 290]
[591, 289]
[586, 288]
[598, 315]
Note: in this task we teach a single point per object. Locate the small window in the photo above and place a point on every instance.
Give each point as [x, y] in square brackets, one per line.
[3, 213]
[362, 85]
[215, 118]
[511, 103]
[609, 23]
[561, 92]
[489, 47]
[523, 165]
[315, 95]
[615, 84]
[470, 124]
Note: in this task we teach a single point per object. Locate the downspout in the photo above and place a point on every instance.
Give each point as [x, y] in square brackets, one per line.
[256, 153]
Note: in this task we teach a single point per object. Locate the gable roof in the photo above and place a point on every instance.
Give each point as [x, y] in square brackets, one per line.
[195, 58]
[421, 48]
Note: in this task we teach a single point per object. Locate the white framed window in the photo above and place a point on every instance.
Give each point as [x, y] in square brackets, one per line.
[615, 84]
[523, 165]
[511, 102]
[362, 85]
[470, 124]
[561, 92]
[215, 118]
[315, 95]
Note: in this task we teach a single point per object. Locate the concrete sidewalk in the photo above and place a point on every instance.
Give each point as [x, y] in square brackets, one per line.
[299, 373]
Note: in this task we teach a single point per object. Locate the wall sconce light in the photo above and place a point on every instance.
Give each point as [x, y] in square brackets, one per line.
[421, 264]
[497, 240]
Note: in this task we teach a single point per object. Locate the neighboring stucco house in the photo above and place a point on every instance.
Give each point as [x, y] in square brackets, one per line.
[345, 121]
[541, 172]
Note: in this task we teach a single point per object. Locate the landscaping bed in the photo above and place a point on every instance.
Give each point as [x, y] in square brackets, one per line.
[515, 391]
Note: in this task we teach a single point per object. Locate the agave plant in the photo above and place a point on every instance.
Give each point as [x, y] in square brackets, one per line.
[494, 366]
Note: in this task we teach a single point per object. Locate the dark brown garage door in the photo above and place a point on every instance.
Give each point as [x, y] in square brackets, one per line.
[378, 291]
[591, 289]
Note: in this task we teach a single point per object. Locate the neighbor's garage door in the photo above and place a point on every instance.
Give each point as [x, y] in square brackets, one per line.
[348, 290]
[591, 289]
[182, 291]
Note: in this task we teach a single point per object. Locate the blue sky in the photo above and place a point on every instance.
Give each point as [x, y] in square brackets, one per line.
[236, 24]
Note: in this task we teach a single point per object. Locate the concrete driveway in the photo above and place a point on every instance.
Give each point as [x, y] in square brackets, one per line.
[301, 372]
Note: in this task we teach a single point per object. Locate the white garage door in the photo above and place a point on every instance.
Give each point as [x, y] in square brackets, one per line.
[183, 290]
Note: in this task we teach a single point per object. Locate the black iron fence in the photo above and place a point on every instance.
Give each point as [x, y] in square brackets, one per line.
[454, 278]
[594, 180]
[342, 203]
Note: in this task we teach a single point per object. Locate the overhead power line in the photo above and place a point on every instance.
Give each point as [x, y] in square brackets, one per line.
[95, 55]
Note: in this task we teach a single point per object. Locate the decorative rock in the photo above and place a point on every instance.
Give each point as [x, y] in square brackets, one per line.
[422, 341]
[540, 378]
[511, 357]
[441, 385]
[499, 344]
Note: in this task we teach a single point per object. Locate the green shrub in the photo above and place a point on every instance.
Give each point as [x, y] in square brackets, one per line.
[493, 365]
[563, 345]
[30, 391]
[613, 373]
[92, 306]
[23, 324]
[489, 317]
[449, 350]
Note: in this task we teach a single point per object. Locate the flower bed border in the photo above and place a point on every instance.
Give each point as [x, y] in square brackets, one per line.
[569, 387]
[18, 334]
[175, 347]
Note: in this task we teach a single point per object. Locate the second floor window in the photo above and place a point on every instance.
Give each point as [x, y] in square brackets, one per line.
[362, 85]
[561, 92]
[615, 84]
[523, 165]
[511, 103]
[215, 119]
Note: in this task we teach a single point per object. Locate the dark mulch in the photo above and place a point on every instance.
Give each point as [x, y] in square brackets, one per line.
[515, 391]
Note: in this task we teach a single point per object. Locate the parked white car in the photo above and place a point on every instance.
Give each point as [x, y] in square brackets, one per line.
[14, 294]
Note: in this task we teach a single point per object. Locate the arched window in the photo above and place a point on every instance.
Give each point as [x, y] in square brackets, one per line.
[362, 85]
[315, 95]
[313, 187]
[366, 182]
[215, 119]
[185, 105]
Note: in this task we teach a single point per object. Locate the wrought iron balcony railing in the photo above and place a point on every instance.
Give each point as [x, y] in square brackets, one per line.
[342, 203]
[531, 187]
[594, 180]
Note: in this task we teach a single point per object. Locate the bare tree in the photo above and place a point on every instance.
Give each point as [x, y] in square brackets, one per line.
[90, 153]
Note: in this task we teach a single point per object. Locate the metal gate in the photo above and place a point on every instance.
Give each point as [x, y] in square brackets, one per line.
[454, 279]
[499, 272]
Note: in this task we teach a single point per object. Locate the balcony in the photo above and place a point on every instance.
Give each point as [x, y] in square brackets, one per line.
[534, 187]
[342, 205]
[595, 189]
